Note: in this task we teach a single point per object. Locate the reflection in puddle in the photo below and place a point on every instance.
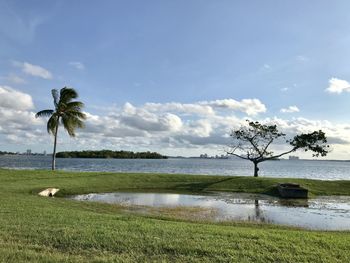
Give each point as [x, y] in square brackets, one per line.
[324, 213]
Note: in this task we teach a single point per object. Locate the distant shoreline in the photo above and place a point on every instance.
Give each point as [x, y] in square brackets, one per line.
[166, 157]
[109, 154]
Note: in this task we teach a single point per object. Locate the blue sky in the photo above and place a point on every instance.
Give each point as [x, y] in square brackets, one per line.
[117, 54]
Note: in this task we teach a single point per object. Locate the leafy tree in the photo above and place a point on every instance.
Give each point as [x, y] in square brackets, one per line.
[252, 143]
[110, 154]
[67, 113]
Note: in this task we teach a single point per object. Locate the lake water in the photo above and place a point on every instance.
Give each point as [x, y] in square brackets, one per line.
[322, 213]
[324, 170]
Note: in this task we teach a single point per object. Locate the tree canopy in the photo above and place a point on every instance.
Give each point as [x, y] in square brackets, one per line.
[111, 154]
[252, 142]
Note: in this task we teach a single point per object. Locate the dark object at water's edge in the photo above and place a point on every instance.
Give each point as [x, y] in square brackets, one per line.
[291, 190]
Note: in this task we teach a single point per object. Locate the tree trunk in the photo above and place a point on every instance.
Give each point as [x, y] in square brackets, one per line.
[256, 169]
[54, 148]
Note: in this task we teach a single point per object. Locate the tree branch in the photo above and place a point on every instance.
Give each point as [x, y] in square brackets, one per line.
[279, 155]
[271, 140]
[255, 147]
[234, 154]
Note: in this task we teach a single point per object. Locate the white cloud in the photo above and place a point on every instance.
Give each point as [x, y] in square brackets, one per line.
[13, 120]
[290, 109]
[302, 58]
[142, 119]
[108, 127]
[249, 106]
[77, 65]
[13, 78]
[33, 70]
[338, 86]
[187, 108]
[201, 128]
[17, 122]
[284, 89]
[13, 99]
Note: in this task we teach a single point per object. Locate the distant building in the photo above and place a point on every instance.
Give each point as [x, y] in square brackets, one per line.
[44, 153]
[223, 156]
[203, 156]
[29, 152]
[292, 157]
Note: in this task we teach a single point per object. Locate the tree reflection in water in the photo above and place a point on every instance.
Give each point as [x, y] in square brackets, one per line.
[258, 214]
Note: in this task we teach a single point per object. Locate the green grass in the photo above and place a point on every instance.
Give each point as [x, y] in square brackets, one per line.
[38, 229]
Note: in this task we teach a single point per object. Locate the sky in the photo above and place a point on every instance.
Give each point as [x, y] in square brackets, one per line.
[175, 76]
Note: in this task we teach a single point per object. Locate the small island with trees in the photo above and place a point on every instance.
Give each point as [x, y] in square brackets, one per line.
[7, 153]
[111, 154]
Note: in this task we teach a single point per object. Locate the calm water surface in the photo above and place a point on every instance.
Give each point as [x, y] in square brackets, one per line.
[324, 170]
[322, 213]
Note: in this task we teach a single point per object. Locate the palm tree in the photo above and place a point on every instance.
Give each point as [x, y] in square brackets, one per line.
[67, 112]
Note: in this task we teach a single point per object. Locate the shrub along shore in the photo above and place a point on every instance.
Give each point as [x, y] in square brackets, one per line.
[39, 229]
[108, 154]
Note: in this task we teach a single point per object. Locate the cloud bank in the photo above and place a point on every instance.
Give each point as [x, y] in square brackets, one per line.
[169, 128]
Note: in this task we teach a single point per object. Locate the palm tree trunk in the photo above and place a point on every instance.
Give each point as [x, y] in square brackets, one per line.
[54, 147]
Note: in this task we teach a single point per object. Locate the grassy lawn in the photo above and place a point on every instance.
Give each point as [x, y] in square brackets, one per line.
[38, 229]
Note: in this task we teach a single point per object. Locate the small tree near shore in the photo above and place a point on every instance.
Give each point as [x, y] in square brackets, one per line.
[252, 143]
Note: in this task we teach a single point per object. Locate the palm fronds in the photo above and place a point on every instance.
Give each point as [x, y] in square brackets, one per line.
[44, 113]
[67, 112]
[55, 97]
[67, 95]
[52, 124]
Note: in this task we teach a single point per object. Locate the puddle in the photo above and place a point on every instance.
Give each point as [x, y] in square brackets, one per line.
[321, 213]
